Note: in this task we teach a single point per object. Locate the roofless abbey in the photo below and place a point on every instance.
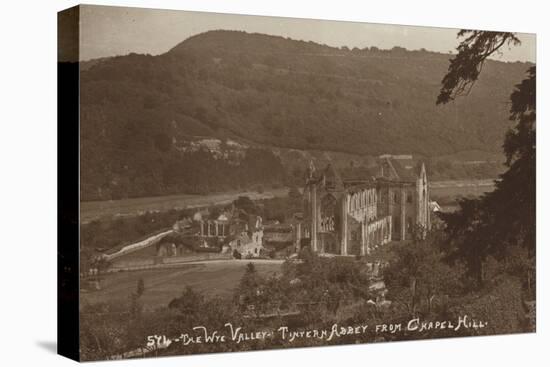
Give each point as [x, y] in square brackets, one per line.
[354, 216]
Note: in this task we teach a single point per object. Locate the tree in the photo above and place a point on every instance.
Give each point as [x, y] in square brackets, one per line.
[465, 67]
[513, 201]
[418, 275]
[295, 198]
[250, 291]
[246, 204]
[469, 236]
[294, 193]
[189, 304]
[140, 288]
[135, 305]
[506, 216]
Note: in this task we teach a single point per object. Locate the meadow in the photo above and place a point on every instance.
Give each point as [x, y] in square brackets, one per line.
[446, 192]
[162, 285]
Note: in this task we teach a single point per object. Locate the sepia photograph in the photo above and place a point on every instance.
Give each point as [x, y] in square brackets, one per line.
[257, 182]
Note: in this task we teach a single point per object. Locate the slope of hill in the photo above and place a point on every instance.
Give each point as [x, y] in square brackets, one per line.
[138, 111]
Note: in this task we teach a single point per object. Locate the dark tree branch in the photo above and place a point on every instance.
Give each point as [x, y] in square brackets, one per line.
[465, 67]
[501, 220]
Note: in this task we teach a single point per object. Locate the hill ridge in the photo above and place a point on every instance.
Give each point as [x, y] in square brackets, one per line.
[278, 92]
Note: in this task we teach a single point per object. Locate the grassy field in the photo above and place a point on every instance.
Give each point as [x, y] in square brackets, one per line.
[161, 286]
[456, 188]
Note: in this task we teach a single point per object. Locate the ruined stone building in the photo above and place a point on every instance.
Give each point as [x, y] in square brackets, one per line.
[354, 216]
[282, 239]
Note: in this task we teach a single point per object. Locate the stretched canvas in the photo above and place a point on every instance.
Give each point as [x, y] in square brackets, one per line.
[232, 183]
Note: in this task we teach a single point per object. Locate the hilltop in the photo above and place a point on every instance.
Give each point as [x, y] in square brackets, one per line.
[139, 112]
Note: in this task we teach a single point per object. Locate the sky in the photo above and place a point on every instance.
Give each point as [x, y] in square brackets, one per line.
[111, 31]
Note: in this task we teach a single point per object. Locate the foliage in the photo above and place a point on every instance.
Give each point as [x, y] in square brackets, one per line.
[500, 305]
[136, 307]
[140, 288]
[139, 111]
[295, 199]
[314, 292]
[279, 208]
[189, 303]
[250, 291]
[136, 173]
[107, 233]
[505, 217]
[466, 66]
[419, 277]
[101, 339]
[244, 203]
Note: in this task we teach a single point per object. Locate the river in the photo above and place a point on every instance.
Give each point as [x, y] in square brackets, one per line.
[91, 210]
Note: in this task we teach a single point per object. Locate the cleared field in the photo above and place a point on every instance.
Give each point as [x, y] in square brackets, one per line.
[90, 210]
[161, 286]
[473, 155]
[457, 188]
